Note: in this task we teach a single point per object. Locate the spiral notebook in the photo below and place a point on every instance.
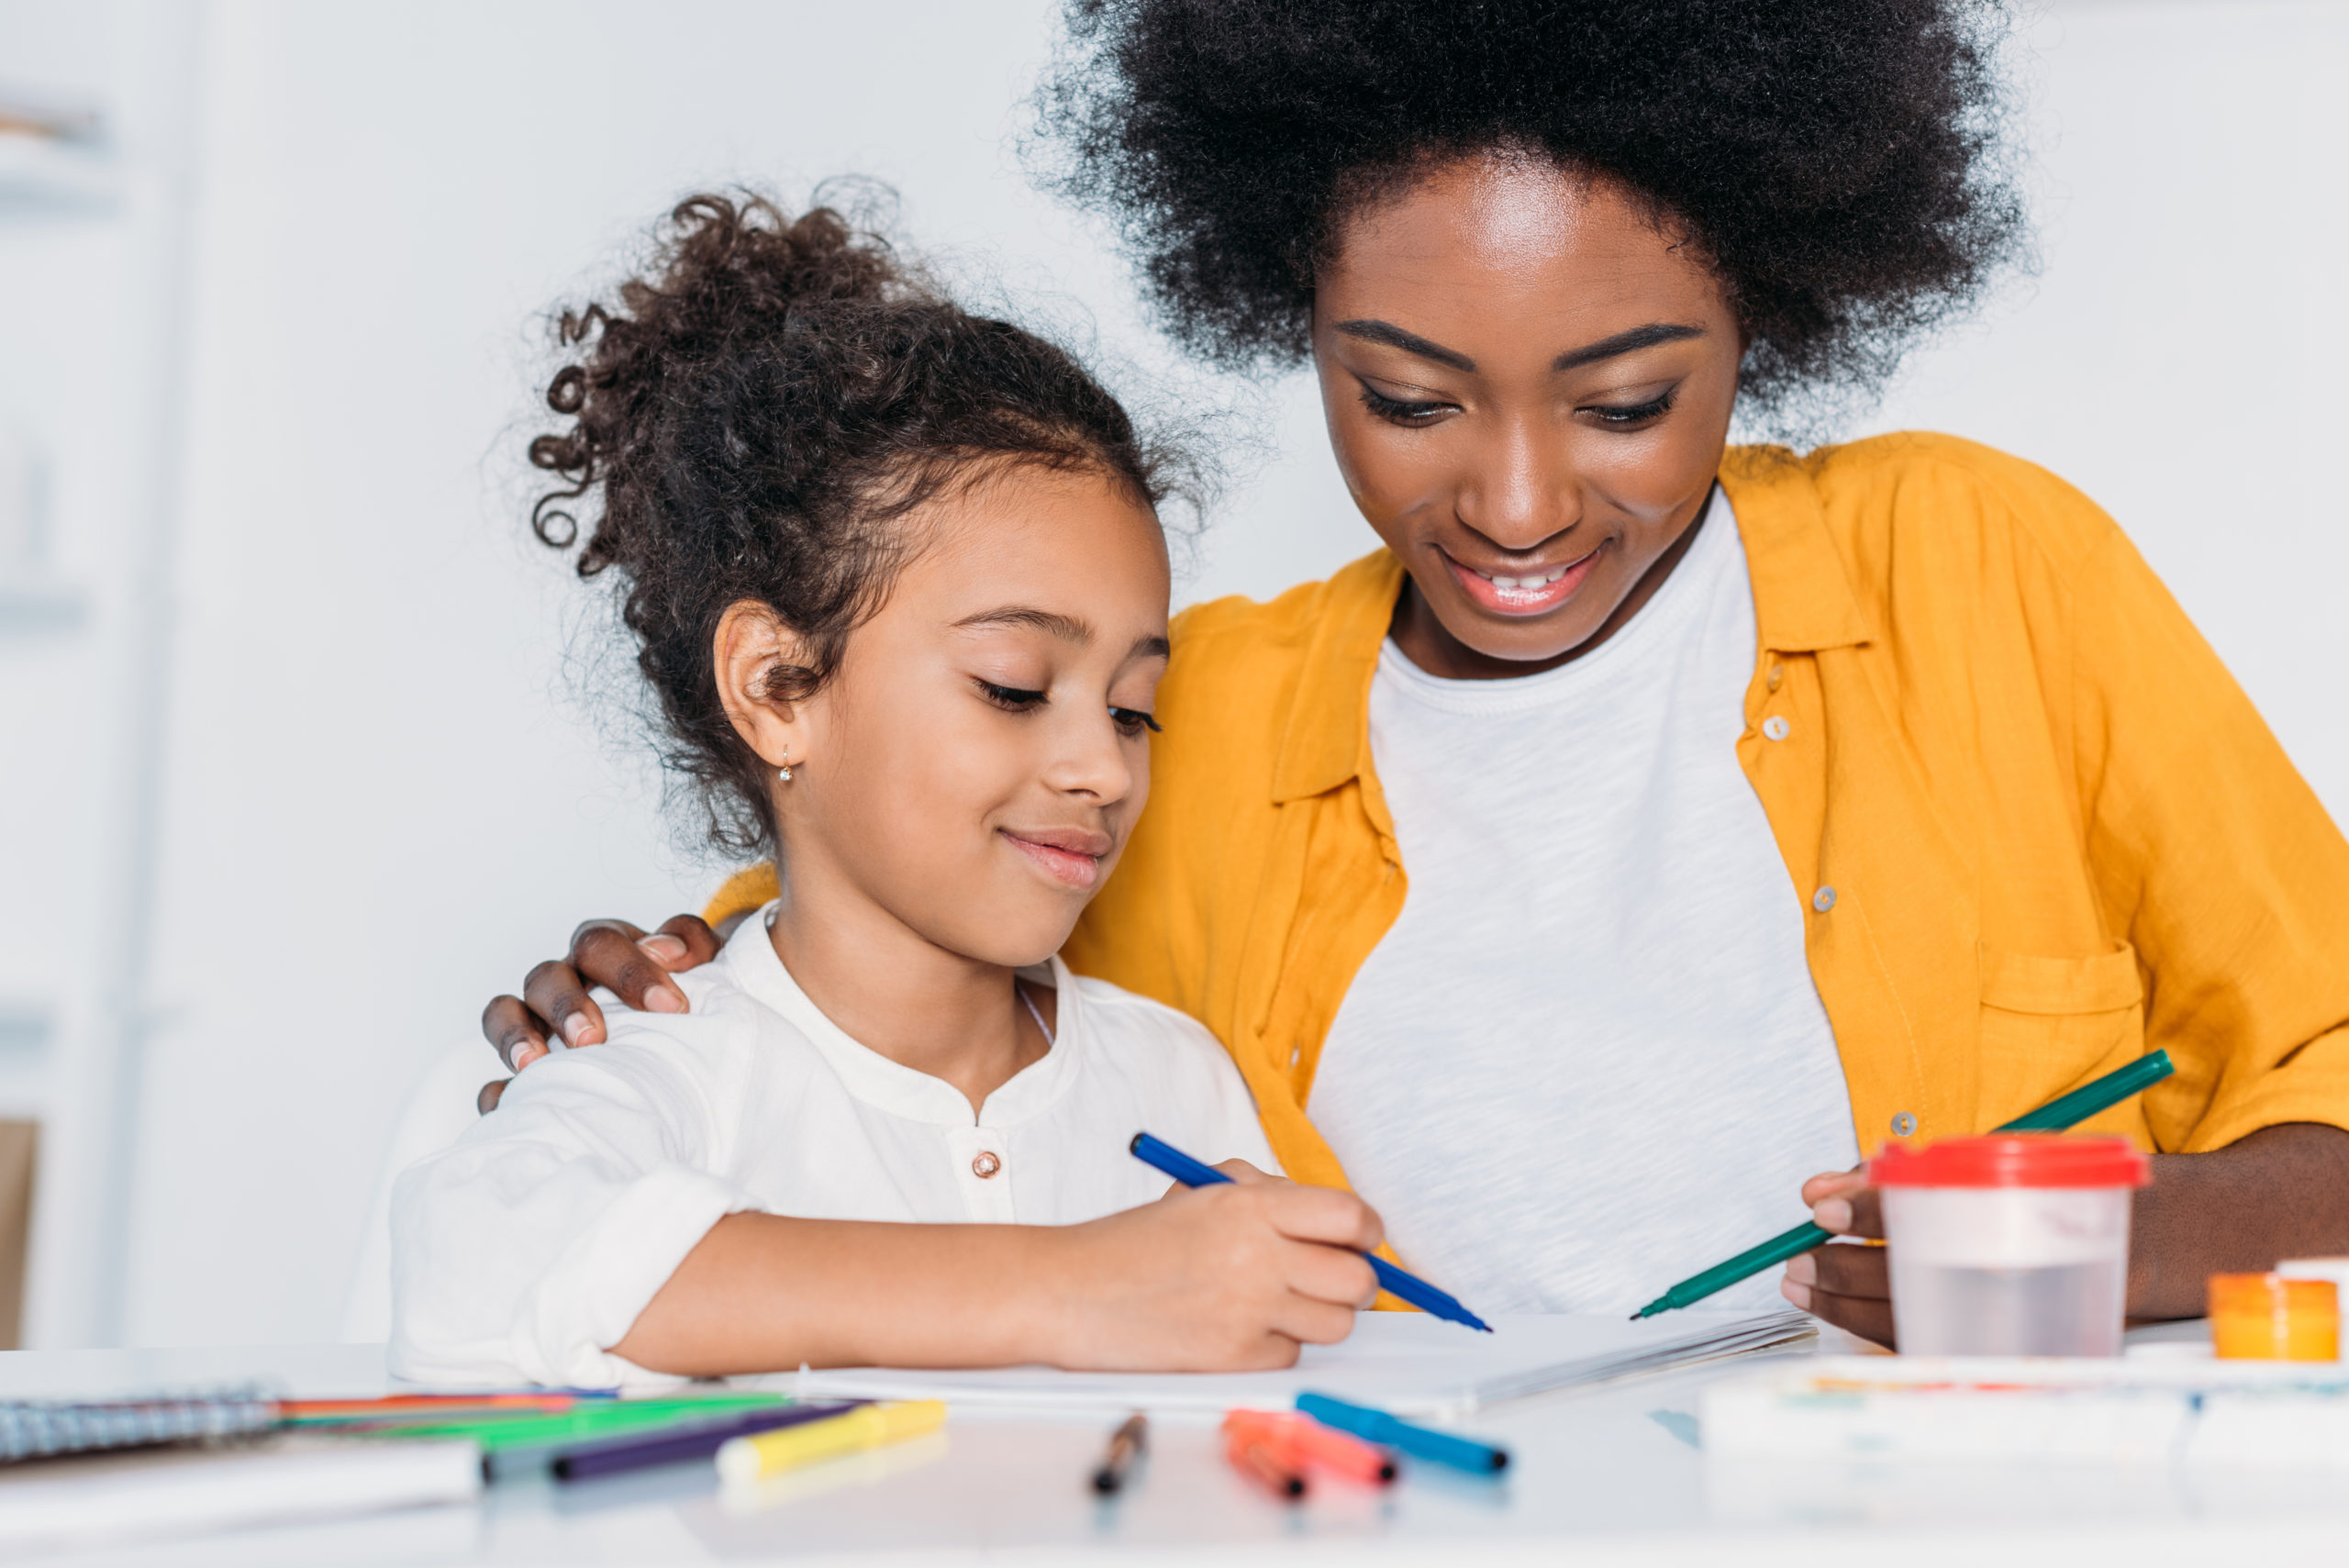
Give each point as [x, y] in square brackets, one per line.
[76, 1472]
[48, 1428]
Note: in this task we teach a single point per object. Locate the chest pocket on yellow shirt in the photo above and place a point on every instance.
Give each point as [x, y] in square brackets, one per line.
[2049, 1024]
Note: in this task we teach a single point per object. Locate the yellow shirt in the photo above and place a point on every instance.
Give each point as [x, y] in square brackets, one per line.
[2057, 833]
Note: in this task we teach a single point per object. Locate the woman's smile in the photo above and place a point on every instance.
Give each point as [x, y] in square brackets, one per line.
[1528, 591]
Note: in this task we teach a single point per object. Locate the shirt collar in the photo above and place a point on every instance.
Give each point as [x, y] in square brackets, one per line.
[1802, 598]
[1802, 602]
[1327, 740]
[891, 1086]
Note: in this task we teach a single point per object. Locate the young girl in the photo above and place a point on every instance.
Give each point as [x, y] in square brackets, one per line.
[896, 582]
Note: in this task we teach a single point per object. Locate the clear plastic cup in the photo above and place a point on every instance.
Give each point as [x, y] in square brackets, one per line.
[2013, 1244]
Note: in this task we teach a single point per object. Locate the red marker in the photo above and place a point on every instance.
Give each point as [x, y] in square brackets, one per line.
[1324, 1448]
[1265, 1459]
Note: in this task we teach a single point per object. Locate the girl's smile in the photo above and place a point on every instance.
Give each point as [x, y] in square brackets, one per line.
[1071, 856]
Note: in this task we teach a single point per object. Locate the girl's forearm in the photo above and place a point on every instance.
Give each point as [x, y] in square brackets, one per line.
[766, 1293]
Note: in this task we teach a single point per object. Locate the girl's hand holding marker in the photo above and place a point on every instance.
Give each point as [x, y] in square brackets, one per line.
[1164, 1157]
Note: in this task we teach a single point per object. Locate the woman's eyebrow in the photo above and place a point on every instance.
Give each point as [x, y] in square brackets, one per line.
[1646, 337]
[1625, 342]
[1051, 623]
[1393, 337]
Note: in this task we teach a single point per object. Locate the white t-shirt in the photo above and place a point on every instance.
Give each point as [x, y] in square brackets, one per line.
[534, 1242]
[1589, 1060]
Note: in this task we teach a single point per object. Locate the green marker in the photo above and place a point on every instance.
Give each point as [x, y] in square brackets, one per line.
[605, 1418]
[2056, 1115]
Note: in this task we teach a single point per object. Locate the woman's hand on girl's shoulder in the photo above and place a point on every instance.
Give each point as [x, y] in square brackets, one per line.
[633, 964]
[1226, 1278]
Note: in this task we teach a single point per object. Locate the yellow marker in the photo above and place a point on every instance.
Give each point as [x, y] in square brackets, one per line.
[762, 1455]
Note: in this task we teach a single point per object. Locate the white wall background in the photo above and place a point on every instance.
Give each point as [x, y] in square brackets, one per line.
[379, 811]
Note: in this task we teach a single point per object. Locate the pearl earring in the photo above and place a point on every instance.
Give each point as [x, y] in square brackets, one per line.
[785, 770]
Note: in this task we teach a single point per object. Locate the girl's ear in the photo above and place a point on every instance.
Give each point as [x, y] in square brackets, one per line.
[751, 645]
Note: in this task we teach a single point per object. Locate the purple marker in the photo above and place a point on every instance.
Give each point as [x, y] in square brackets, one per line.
[699, 1441]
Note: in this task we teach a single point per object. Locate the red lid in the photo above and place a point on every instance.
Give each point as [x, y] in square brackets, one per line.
[2013, 1159]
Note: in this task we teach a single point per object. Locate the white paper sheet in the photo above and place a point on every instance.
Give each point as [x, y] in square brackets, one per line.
[1406, 1362]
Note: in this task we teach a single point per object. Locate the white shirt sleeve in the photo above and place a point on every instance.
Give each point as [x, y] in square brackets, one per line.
[532, 1245]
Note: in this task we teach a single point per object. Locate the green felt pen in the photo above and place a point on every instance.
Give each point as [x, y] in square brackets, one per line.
[604, 1418]
[2056, 1115]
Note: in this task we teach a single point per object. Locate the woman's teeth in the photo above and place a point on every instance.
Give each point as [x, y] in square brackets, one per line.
[1524, 593]
[1522, 581]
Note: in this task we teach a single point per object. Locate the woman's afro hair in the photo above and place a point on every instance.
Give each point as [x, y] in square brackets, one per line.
[1839, 161]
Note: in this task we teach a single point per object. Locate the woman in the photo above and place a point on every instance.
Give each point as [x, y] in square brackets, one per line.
[1652, 822]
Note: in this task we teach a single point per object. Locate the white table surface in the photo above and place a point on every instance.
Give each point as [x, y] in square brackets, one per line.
[1604, 1476]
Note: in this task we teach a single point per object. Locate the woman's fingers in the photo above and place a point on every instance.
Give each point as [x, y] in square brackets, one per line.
[611, 953]
[1853, 1211]
[558, 993]
[491, 1093]
[1833, 1183]
[1245, 1174]
[518, 1034]
[1843, 1202]
[684, 941]
[1851, 1286]
[632, 966]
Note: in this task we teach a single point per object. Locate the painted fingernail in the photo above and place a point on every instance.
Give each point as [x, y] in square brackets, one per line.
[1797, 1293]
[1803, 1269]
[663, 999]
[1834, 1214]
[574, 1029]
[666, 948]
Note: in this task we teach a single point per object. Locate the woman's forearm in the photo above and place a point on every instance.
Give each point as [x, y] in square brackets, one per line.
[766, 1293]
[2282, 1192]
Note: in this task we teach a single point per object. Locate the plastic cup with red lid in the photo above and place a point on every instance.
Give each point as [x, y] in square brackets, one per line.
[2011, 1244]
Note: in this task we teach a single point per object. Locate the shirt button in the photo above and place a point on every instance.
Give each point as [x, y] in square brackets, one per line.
[1774, 728]
[1903, 1125]
[1823, 900]
[1777, 673]
[985, 1165]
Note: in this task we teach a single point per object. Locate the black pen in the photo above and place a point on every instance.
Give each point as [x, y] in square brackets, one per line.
[1126, 1445]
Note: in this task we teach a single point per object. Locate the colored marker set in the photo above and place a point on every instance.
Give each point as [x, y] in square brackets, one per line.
[1279, 1447]
[584, 1436]
[1285, 1448]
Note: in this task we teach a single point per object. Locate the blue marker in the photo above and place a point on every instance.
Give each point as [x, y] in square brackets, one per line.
[1392, 1431]
[1411, 1287]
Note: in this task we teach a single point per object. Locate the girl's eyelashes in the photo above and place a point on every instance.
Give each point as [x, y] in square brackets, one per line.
[1409, 413]
[1011, 699]
[1017, 699]
[1631, 416]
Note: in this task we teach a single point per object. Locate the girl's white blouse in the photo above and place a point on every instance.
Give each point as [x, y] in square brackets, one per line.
[530, 1245]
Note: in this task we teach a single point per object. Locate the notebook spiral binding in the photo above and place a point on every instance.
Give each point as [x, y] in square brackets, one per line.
[47, 1430]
